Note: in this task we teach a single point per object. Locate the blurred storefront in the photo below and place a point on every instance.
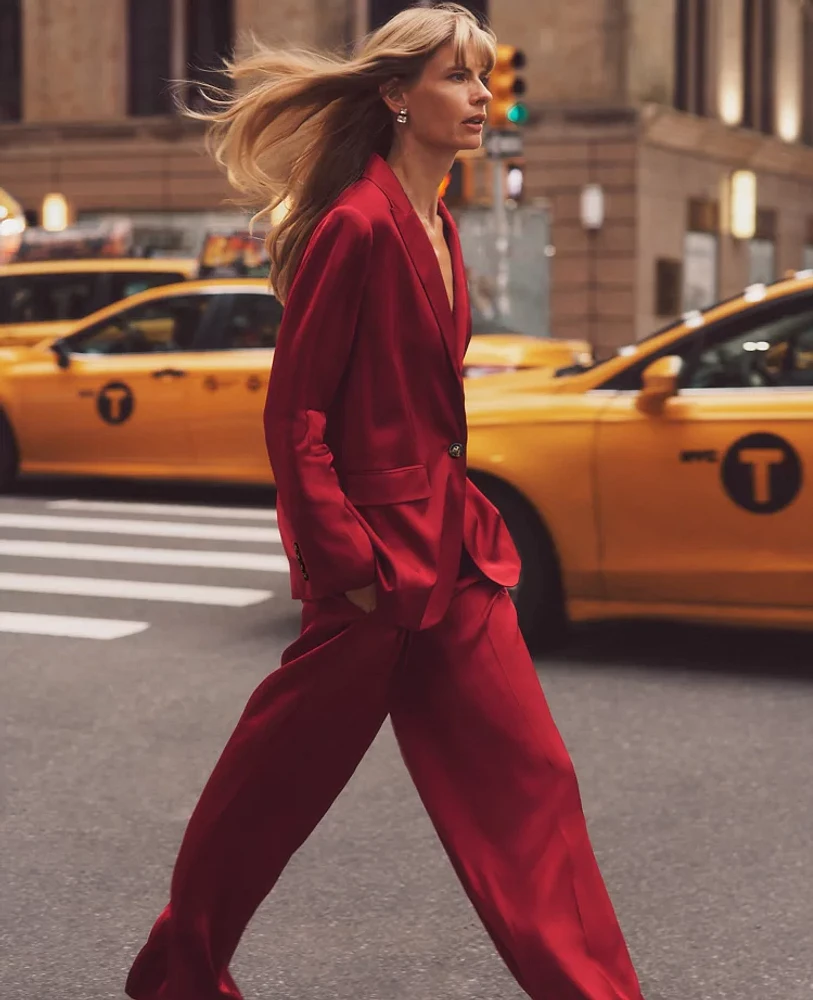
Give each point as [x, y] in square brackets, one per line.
[652, 106]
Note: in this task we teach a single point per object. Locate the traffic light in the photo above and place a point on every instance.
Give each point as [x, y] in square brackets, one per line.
[506, 106]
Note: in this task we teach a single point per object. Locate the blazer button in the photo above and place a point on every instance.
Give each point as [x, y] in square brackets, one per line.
[456, 450]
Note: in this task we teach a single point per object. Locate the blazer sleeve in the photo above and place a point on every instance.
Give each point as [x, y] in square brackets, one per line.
[332, 549]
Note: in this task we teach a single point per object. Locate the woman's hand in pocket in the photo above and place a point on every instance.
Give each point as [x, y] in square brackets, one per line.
[363, 598]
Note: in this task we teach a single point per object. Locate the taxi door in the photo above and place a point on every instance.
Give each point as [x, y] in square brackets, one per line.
[709, 501]
[228, 385]
[120, 404]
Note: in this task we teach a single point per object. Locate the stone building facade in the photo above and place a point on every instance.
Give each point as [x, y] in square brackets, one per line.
[658, 102]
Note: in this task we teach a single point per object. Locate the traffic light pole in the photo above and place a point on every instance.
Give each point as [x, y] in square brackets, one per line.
[505, 110]
[501, 146]
[500, 215]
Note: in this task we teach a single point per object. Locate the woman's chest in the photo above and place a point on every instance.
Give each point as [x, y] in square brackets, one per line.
[440, 248]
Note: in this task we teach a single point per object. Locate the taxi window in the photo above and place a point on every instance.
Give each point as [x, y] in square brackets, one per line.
[769, 344]
[48, 298]
[153, 328]
[252, 322]
[123, 284]
[775, 350]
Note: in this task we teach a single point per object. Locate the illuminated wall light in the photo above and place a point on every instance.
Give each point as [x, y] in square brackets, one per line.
[789, 70]
[591, 206]
[789, 124]
[729, 36]
[54, 213]
[743, 209]
[731, 106]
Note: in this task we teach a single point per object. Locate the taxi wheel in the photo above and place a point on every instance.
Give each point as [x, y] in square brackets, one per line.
[538, 597]
[8, 455]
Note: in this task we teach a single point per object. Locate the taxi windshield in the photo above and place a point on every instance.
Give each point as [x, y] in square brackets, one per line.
[630, 350]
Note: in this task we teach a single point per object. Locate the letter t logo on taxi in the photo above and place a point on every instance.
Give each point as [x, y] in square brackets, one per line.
[761, 460]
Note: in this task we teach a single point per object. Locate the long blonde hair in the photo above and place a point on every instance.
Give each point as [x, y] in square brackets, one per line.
[300, 124]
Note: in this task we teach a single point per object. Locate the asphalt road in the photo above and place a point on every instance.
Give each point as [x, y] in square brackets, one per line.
[692, 746]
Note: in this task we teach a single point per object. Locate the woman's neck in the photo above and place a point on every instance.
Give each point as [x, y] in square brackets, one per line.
[421, 173]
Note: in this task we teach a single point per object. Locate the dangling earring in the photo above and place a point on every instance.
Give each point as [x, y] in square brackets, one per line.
[402, 116]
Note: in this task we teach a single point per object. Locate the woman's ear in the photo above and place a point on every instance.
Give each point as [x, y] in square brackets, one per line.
[392, 93]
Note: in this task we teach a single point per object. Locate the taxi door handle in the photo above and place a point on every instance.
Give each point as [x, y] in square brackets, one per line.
[169, 373]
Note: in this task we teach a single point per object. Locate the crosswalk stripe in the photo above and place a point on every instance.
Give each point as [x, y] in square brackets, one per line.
[138, 590]
[122, 526]
[27, 548]
[68, 626]
[168, 509]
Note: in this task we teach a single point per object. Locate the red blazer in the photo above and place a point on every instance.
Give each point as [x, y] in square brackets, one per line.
[365, 419]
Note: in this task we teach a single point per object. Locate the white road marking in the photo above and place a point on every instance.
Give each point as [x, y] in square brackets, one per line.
[144, 556]
[68, 626]
[122, 526]
[168, 509]
[137, 590]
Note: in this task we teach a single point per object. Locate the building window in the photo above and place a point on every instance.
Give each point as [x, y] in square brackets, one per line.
[176, 40]
[762, 249]
[691, 55]
[11, 46]
[150, 52]
[807, 76]
[759, 64]
[701, 254]
[209, 40]
[807, 250]
[380, 11]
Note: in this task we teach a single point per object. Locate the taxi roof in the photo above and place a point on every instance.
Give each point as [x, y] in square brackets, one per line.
[212, 285]
[529, 381]
[74, 265]
[695, 320]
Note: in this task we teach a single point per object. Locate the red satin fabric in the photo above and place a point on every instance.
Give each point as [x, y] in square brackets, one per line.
[477, 737]
[364, 401]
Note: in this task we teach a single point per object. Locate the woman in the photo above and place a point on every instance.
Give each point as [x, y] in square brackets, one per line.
[401, 564]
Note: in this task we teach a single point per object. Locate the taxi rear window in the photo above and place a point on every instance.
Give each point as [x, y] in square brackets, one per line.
[47, 298]
[123, 284]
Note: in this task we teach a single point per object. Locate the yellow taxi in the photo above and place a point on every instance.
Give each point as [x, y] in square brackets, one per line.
[671, 481]
[169, 383]
[42, 299]
[496, 351]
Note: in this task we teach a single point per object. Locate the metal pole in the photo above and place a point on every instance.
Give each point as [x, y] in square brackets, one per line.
[501, 236]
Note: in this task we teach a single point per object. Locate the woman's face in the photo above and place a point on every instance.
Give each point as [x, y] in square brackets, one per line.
[443, 101]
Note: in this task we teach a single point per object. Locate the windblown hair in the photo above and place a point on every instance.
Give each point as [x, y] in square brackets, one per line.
[300, 125]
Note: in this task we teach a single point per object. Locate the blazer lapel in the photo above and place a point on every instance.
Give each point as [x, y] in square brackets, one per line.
[422, 253]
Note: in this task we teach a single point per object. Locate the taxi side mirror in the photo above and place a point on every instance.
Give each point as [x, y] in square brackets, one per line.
[660, 382]
[63, 355]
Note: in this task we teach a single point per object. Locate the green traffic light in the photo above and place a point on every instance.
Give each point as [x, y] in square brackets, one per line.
[517, 114]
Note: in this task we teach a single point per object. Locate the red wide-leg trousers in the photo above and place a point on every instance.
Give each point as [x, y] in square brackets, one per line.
[477, 737]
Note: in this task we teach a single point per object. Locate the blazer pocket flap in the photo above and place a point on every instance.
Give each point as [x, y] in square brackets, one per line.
[383, 486]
